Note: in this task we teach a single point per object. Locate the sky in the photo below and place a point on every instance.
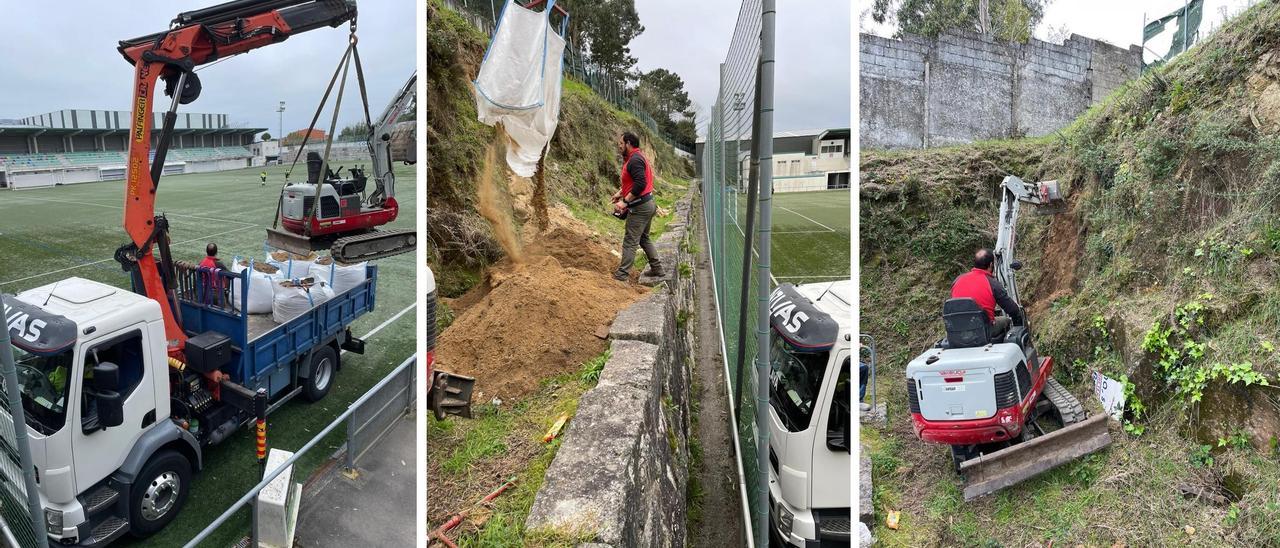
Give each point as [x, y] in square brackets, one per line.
[67, 58]
[1121, 25]
[812, 87]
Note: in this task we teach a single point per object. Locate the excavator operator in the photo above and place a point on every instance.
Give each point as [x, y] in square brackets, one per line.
[981, 285]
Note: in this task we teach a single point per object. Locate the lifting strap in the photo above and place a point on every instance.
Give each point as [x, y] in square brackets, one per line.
[339, 77]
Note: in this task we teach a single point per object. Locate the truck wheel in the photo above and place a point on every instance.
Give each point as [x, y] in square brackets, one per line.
[324, 364]
[159, 493]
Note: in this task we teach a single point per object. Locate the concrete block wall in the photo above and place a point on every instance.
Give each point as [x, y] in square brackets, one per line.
[962, 87]
[621, 472]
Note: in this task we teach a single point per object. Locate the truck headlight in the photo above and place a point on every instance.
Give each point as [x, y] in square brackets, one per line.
[53, 521]
[785, 519]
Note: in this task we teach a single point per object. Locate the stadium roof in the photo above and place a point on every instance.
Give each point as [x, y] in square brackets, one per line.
[829, 133]
[110, 122]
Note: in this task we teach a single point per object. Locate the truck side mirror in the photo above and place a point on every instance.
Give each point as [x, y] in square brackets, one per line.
[106, 377]
[110, 408]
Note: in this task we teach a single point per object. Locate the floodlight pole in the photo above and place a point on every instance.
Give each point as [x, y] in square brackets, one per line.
[765, 131]
[281, 111]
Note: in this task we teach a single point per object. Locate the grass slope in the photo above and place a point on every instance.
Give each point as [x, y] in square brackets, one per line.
[582, 166]
[1162, 273]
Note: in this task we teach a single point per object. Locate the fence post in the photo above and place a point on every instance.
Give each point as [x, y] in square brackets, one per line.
[351, 445]
[10, 373]
[253, 530]
[765, 134]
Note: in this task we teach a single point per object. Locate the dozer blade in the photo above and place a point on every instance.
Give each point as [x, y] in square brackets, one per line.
[990, 473]
[372, 245]
[293, 243]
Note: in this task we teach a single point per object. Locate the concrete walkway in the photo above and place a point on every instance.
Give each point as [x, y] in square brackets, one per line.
[375, 509]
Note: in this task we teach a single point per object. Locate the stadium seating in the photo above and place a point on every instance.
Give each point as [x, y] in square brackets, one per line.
[16, 162]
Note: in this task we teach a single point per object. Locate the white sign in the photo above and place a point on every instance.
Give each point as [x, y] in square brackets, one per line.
[1110, 393]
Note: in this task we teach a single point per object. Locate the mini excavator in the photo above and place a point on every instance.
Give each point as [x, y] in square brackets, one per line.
[346, 217]
[991, 396]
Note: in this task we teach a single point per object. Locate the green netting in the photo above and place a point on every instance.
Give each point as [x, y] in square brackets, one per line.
[725, 166]
[14, 502]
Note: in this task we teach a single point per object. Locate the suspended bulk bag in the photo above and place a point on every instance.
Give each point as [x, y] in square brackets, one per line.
[519, 83]
[341, 277]
[262, 277]
[292, 265]
[293, 299]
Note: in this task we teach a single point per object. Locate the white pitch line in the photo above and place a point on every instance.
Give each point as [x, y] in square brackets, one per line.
[179, 215]
[756, 253]
[109, 260]
[386, 323]
[829, 229]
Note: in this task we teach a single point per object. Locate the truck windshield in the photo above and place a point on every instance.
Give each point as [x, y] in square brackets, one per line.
[794, 381]
[43, 381]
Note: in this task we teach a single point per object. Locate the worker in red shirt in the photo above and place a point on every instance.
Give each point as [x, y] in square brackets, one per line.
[981, 285]
[211, 283]
[634, 200]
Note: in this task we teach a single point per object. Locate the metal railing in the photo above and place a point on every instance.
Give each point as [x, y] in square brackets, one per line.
[366, 419]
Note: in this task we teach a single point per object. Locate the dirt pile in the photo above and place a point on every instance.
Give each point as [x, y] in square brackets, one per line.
[531, 321]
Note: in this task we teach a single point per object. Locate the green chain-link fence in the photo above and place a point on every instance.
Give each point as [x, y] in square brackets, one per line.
[19, 505]
[736, 198]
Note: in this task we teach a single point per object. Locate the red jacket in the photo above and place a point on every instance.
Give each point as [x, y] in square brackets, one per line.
[632, 168]
[982, 287]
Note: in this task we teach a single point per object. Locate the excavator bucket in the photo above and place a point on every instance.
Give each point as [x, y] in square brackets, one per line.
[990, 473]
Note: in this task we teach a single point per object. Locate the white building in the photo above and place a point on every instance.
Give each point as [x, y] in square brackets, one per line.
[806, 160]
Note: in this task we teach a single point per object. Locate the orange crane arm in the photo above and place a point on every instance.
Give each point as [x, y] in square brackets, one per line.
[195, 38]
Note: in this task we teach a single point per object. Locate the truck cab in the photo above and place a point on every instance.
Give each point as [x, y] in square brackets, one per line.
[810, 398]
[92, 364]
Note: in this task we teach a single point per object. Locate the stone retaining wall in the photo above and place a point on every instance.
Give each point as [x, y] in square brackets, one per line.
[620, 474]
[917, 92]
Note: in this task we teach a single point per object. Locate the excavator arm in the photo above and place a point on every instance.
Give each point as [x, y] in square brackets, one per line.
[195, 38]
[1014, 191]
[387, 141]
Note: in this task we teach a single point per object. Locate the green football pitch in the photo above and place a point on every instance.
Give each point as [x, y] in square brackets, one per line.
[811, 235]
[55, 233]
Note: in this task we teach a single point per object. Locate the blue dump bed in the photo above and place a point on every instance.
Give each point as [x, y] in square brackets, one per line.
[264, 352]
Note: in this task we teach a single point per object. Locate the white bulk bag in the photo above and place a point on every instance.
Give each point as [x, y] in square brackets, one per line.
[340, 277]
[519, 83]
[291, 301]
[260, 288]
[291, 265]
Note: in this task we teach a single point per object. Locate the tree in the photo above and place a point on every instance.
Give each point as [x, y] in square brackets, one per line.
[1011, 20]
[661, 93]
[602, 29]
[358, 131]
[266, 136]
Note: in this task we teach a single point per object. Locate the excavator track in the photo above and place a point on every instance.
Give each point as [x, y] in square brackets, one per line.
[1069, 408]
[376, 244]
[1080, 435]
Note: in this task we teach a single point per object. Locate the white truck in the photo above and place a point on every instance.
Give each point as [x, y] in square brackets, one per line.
[117, 426]
[810, 397]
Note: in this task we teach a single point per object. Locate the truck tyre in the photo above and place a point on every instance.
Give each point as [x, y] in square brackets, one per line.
[159, 493]
[324, 365]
